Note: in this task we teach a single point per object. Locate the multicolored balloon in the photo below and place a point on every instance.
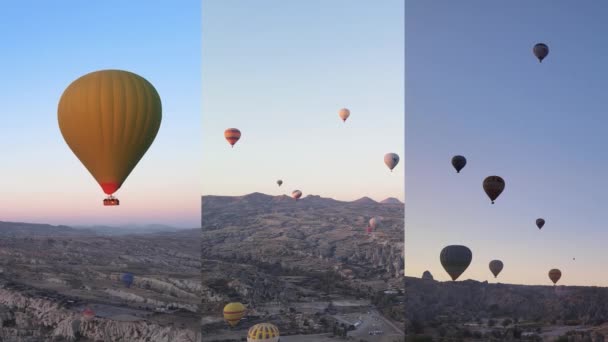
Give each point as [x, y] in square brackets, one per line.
[232, 135]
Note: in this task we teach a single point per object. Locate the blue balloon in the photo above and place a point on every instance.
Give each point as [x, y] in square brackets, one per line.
[127, 278]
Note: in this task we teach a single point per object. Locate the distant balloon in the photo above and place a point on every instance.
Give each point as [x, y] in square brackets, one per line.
[232, 135]
[296, 194]
[280, 182]
[540, 51]
[233, 312]
[540, 223]
[373, 222]
[458, 162]
[344, 114]
[493, 186]
[109, 119]
[554, 275]
[455, 259]
[263, 332]
[127, 279]
[391, 160]
[88, 314]
[495, 267]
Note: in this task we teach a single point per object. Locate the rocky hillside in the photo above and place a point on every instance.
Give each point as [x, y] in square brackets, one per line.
[49, 274]
[429, 302]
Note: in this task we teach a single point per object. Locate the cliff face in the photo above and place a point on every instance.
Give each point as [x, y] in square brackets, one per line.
[36, 319]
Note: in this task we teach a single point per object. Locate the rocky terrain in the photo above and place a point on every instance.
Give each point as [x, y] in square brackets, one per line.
[301, 264]
[50, 274]
[473, 311]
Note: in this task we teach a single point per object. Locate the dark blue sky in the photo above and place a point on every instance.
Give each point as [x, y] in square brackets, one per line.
[473, 87]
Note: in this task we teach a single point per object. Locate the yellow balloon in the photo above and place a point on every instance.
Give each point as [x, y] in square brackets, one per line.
[109, 119]
[233, 312]
[263, 332]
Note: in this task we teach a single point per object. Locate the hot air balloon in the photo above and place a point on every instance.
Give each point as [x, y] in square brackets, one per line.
[373, 222]
[391, 160]
[344, 114]
[109, 119]
[88, 314]
[540, 223]
[296, 194]
[127, 279]
[554, 275]
[540, 51]
[455, 259]
[458, 162]
[280, 182]
[493, 186]
[232, 135]
[233, 312]
[263, 332]
[495, 267]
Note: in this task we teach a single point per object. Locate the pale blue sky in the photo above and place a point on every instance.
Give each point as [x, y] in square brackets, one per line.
[473, 87]
[46, 46]
[280, 71]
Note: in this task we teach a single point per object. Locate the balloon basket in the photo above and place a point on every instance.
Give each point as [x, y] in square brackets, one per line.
[111, 201]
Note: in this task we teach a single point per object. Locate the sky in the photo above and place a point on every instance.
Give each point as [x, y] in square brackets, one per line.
[473, 87]
[280, 71]
[46, 46]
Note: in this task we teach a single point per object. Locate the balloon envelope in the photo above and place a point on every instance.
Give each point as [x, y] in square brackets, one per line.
[495, 267]
[554, 275]
[455, 259]
[109, 119]
[373, 222]
[541, 51]
[280, 182]
[127, 279]
[540, 223]
[344, 114]
[458, 162]
[263, 332]
[296, 194]
[493, 186]
[233, 312]
[391, 160]
[88, 313]
[232, 135]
